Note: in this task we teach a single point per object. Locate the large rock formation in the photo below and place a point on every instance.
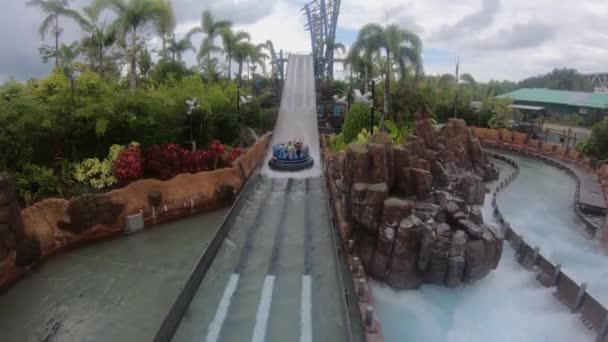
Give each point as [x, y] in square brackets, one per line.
[12, 234]
[411, 209]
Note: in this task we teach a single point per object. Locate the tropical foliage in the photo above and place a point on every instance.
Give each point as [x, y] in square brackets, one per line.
[71, 131]
[357, 118]
[597, 146]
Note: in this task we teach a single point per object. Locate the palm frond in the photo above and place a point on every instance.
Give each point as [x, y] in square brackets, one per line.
[74, 15]
[46, 25]
[193, 31]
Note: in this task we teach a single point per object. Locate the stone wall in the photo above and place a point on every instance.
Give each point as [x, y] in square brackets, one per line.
[523, 141]
[56, 224]
[410, 210]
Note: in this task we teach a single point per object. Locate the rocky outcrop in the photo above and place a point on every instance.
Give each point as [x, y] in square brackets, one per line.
[13, 240]
[88, 210]
[411, 209]
[440, 242]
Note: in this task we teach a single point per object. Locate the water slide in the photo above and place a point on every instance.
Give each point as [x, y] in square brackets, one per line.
[509, 304]
[297, 118]
[274, 277]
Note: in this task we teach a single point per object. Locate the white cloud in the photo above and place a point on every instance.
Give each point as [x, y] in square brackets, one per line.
[510, 39]
[284, 26]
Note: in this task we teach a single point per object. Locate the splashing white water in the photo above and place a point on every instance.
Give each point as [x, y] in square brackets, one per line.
[297, 116]
[547, 219]
[508, 305]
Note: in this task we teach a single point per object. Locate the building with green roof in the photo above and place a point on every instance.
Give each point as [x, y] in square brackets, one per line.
[560, 102]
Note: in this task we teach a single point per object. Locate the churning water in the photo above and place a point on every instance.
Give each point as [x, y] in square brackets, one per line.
[507, 305]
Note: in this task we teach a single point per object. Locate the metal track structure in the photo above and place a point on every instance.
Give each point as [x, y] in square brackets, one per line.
[322, 20]
[599, 80]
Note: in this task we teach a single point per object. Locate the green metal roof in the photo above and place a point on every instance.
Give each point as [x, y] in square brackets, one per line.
[562, 97]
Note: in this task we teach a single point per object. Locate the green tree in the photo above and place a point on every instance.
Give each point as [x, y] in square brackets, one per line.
[468, 79]
[230, 40]
[276, 72]
[211, 29]
[257, 57]
[398, 46]
[165, 27]
[357, 118]
[67, 56]
[177, 48]
[53, 10]
[599, 139]
[241, 52]
[144, 63]
[133, 15]
[559, 79]
[100, 37]
[359, 61]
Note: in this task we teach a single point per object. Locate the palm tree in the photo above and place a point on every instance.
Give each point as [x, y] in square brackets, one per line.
[360, 61]
[165, 26]
[468, 79]
[275, 64]
[54, 9]
[399, 45]
[100, 38]
[230, 40]
[241, 53]
[211, 29]
[179, 47]
[132, 15]
[257, 57]
[333, 47]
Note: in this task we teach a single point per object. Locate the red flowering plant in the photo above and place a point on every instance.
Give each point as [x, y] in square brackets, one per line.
[167, 161]
[234, 154]
[128, 166]
[216, 154]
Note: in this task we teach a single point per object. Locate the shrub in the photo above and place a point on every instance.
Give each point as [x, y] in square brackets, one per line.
[268, 118]
[599, 138]
[357, 118]
[398, 134]
[128, 166]
[216, 154]
[98, 174]
[587, 148]
[95, 173]
[233, 155]
[35, 183]
[224, 126]
[336, 143]
[167, 161]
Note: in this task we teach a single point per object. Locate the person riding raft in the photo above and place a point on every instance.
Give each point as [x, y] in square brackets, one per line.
[292, 156]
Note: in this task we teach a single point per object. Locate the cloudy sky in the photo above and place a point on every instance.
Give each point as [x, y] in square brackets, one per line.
[495, 39]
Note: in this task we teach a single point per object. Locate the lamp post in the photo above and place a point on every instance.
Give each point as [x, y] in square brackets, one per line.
[371, 127]
[192, 104]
